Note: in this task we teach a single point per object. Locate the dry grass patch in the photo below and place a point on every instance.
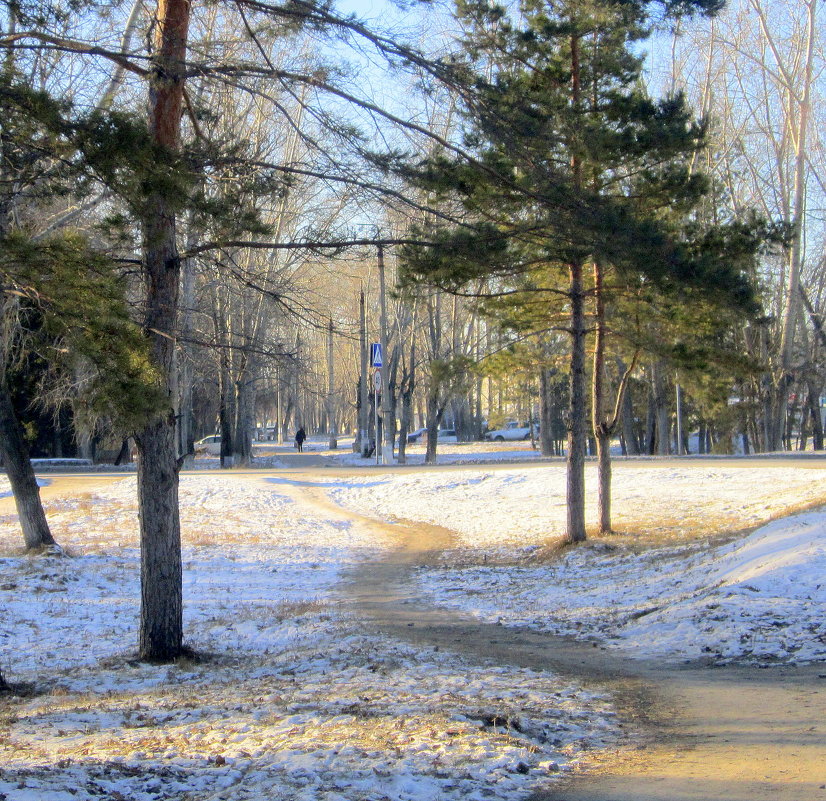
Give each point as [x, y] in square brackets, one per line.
[684, 529]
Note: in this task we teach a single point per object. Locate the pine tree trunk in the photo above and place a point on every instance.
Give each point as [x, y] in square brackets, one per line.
[601, 427]
[161, 630]
[575, 460]
[161, 625]
[604, 478]
[650, 423]
[575, 464]
[15, 453]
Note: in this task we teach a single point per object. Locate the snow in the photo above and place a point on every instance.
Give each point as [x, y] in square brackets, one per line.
[514, 507]
[757, 599]
[292, 698]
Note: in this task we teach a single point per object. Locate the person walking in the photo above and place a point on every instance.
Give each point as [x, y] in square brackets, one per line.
[300, 436]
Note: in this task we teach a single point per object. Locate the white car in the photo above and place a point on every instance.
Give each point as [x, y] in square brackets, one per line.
[210, 445]
[512, 431]
[446, 435]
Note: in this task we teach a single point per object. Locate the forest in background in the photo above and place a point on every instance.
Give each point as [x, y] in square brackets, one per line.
[199, 203]
[253, 345]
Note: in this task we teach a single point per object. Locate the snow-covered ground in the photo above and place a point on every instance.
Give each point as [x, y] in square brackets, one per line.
[503, 510]
[291, 698]
[760, 597]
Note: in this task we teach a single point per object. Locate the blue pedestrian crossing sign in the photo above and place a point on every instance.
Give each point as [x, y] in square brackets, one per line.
[375, 354]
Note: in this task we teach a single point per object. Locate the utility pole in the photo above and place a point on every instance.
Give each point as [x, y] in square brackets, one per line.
[364, 439]
[386, 408]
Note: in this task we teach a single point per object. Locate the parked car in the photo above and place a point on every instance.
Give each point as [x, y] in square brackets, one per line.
[210, 445]
[416, 436]
[420, 435]
[512, 431]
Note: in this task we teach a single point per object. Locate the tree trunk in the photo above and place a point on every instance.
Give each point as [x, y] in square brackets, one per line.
[601, 427]
[629, 429]
[435, 411]
[364, 401]
[244, 418]
[225, 409]
[186, 422]
[331, 388]
[660, 398]
[284, 424]
[575, 459]
[406, 390]
[18, 465]
[161, 630]
[575, 464]
[813, 399]
[161, 625]
[546, 411]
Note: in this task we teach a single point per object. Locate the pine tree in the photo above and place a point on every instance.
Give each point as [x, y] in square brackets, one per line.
[61, 298]
[66, 303]
[576, 170]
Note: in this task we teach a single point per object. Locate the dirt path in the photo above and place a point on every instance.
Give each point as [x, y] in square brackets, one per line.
[700, 733]
[727, 734]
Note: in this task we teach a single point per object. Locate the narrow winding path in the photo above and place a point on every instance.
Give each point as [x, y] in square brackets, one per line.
[700, 733]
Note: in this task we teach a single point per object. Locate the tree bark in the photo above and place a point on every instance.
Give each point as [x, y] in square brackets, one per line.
[407, 389]
[629, 429]
[186, 422]
[601, 426]
[575, 458]
[331, 388]
[161, 624]
[660, 399]
[244, 418]
[813, 400]
[18, 465]
[435, 412]
[546, 411]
